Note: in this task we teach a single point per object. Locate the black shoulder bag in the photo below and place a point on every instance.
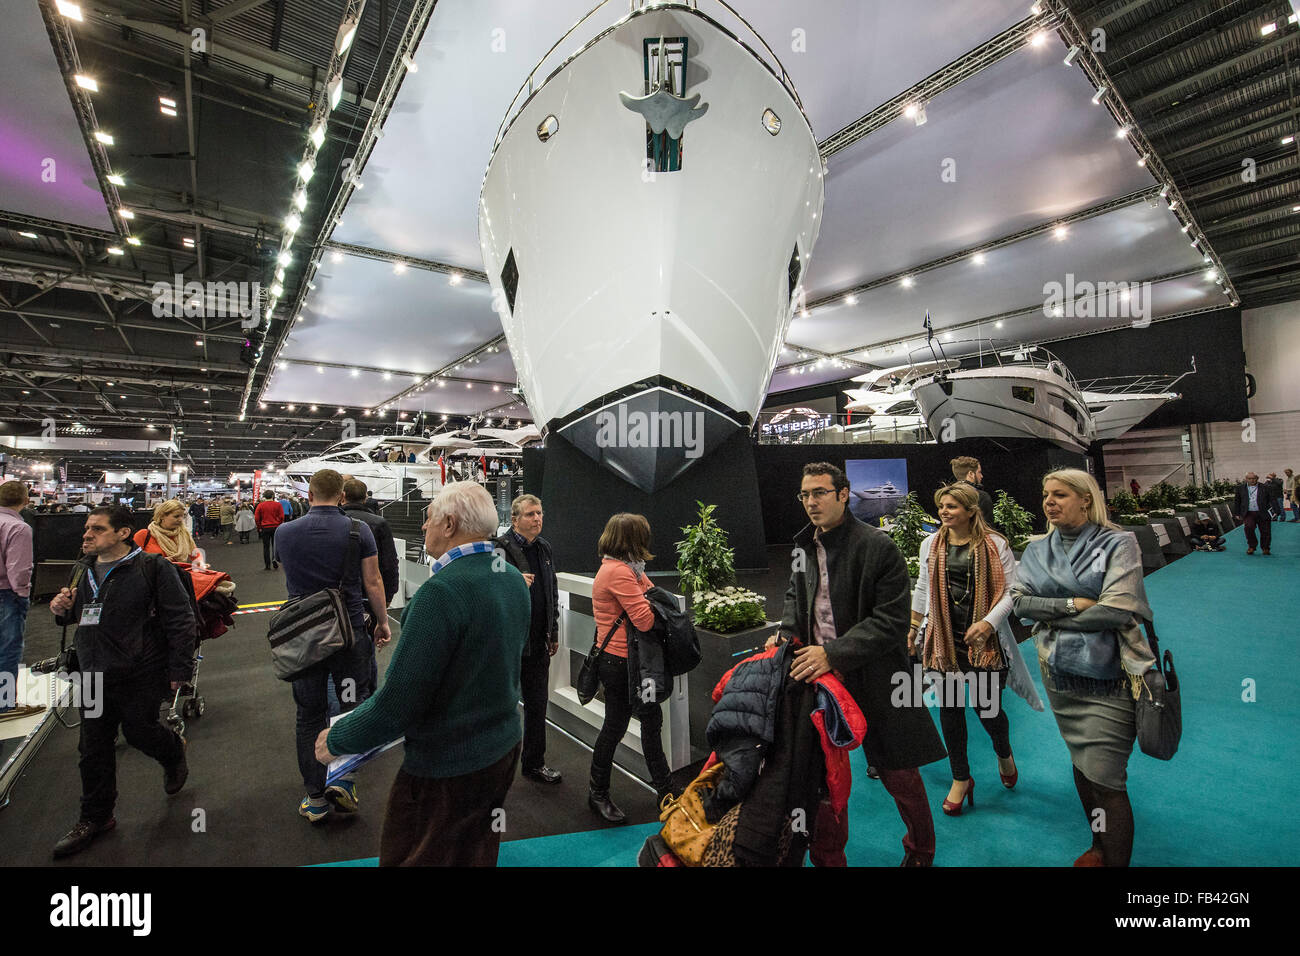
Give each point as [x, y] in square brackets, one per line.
[589, 677]
[308, 629]
[1160, 707]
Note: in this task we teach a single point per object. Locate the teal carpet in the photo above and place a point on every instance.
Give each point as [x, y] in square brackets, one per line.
[1230, 621]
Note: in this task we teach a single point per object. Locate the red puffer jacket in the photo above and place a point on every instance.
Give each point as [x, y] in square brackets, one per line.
[840, 724]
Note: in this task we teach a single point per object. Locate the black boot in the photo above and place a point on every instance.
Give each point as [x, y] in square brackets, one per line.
[604, 807]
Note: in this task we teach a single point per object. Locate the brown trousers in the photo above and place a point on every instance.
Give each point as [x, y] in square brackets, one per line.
[453, 821]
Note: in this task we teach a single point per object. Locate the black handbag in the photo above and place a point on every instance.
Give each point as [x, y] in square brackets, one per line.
[1160, 707]
[588, 681]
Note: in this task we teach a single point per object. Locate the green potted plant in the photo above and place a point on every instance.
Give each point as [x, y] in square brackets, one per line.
[1013, 521]
[1124, 503]
[707, 571]
[908, 531]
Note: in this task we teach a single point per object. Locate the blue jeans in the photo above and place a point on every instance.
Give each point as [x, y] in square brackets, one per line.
[310, 694]
[13, 615]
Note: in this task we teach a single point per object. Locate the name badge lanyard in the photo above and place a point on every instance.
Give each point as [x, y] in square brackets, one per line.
[97, 586]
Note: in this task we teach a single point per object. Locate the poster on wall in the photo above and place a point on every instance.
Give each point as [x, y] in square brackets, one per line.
[877, 487]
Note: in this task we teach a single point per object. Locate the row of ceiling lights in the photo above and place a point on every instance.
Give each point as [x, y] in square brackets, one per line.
[916, 111]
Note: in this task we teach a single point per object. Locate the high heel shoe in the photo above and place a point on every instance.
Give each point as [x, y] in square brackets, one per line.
[1009, 779]
[954, 809]
[604, 807]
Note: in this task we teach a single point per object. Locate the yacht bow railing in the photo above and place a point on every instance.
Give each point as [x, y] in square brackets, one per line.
[531, 83]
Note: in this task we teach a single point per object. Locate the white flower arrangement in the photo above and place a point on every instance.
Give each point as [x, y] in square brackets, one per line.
[728, 609]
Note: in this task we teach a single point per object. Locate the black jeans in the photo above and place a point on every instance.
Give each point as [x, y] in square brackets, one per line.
[133, 703]
[351, 672]
[268, 536]
[952, 718]
[618, 712]
[534, 684]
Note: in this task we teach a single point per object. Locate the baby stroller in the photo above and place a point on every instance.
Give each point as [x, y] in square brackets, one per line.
[212, 599]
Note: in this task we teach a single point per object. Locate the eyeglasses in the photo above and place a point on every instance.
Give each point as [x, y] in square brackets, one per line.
[816, 494]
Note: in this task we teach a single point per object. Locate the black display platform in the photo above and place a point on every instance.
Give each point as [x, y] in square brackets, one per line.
[579, 496]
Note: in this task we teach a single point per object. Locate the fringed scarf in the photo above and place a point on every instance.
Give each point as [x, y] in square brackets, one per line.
[989, 582]
[176, 545]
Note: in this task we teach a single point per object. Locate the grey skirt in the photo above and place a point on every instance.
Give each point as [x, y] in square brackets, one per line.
[1099, 731]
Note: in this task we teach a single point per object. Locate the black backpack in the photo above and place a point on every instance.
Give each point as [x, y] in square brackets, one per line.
[681, 645]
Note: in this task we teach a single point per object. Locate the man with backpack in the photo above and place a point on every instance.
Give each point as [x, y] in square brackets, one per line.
[135, 635]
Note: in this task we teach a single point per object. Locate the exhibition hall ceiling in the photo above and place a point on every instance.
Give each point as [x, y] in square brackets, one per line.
[1015, 176]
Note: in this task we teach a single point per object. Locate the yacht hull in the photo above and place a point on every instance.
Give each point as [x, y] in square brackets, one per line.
[988, 403]
[627, 290]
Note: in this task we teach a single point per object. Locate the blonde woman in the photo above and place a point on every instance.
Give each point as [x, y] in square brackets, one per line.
[963, 598]
[1082, 588]
[166, 534]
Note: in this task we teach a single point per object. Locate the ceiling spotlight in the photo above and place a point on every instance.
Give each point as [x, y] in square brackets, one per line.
[306, 169]
[29, 235]
[277, 290]
[387, 376]
[103, 137]
[1122, 131]
[335, 91]
[910, 110]
[116, 180]
[347, 30]
[1187, 227]
[340, 411]
[86, 83]
[1143, 160]
[908, 282]
[1039, 38]
[454, 278]
[469, 384]
[1101, 91]
[126, 214]
[320, 369]
[1164, 191]
[198, 342]
[399, 267]
[850, 300]
[313, 408]
[284, 258]
[997, 324]
[355, 373]
[289, 407]
[115, 251]
[410, 64]
[279, 273]
[132, 241]
[1069, 57]
[1060, 232]
[167, 111]
[1173, 204]
[1211, 275]
[187, 242]
[318, 134]
[292, 222]
[261, 404]
[1288, 140]
[1266, 30]
[70, 10]
[978, 258]
[300, 200]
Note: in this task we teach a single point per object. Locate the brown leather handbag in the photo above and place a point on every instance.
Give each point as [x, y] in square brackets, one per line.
[685, 829]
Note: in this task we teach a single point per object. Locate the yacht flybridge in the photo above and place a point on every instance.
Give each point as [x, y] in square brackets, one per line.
[647, 216]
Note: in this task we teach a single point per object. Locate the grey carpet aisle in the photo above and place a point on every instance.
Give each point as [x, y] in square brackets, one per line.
[243, 769]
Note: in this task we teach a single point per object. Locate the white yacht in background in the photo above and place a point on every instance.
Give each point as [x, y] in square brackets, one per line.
[1033, 396]
[646, 219]
[366, 459]
[1117, 404]
[885, 407]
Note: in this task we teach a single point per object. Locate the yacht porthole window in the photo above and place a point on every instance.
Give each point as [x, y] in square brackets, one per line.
[771, 122]
[548, 128]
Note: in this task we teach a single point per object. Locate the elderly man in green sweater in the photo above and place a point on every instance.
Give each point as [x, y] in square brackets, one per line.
[453, 690]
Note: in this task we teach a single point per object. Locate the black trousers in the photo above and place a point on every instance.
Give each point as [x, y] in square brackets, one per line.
[133, 704]
[618, 713]
[534, 684]
[952, 717]
[268, 535]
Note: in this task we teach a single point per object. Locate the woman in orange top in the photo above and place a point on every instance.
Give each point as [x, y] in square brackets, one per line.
[166, 534]
[619, 591]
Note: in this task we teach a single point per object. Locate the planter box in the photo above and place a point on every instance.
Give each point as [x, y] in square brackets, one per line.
[1177, 546]
[1153, 556]
[719, 653]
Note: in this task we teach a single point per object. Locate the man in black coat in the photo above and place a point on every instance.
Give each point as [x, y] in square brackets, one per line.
[354, 506]
[967, 469]
[848, 603]
[525, 548]
[1252, 508]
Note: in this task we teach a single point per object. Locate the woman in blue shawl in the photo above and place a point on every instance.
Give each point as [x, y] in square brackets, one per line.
[1081, 587]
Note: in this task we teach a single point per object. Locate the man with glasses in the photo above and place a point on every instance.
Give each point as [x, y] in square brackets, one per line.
[848, 609]
[525, 548]
[135, 634]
